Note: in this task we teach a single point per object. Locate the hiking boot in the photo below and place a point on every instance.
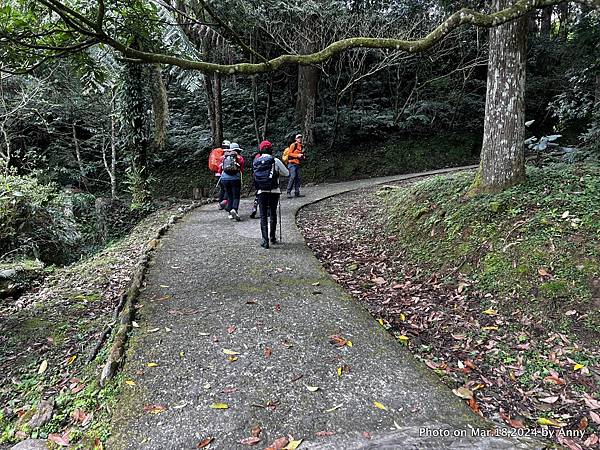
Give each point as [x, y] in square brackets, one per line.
[274, 240]
[264, 244]
[221, 206]
[235, 215]
[299, 195]
[253, 214]
[230, 216]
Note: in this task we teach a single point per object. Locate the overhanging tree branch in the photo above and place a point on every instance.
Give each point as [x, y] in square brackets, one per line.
[462, 17]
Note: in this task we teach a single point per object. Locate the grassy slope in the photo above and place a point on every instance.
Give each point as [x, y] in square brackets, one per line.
[536, 246]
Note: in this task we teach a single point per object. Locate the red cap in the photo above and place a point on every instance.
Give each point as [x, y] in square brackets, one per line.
[265, 145]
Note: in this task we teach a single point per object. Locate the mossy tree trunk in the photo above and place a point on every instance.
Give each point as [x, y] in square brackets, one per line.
[502, 156]
[160, 109]
[136, 104]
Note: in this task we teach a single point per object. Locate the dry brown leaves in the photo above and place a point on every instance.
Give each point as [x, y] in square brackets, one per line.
[514, 367]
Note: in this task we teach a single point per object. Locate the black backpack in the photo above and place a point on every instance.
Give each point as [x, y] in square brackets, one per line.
[266, 177]
[230, 164]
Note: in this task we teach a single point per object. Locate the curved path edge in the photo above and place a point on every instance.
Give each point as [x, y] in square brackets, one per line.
[211, 290]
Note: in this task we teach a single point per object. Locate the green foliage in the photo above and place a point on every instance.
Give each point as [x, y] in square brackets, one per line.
[536, 244]
[36, 220]
[576, 105]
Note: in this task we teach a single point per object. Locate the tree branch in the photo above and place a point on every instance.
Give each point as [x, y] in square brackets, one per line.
[459, 18]
[229, 30]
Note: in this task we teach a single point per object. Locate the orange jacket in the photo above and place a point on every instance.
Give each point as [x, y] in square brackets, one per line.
[295, 153]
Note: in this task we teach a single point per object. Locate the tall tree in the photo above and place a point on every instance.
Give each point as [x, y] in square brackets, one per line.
[503, 155]
[135, 115]
[71, 28]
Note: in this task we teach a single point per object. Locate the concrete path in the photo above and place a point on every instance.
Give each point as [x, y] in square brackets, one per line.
[212, 287]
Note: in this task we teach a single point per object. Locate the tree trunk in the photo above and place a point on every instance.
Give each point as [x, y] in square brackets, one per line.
[532, 20]
[502, 156]
[308, 89]
[546, 24]
[597, 92]
[255, 106]
[160, 109]
[137, 107]
[563, 17]
[218, 137]
[210, 104]
[82, 177]
[268, 108]
[5, 155]
[112, 169]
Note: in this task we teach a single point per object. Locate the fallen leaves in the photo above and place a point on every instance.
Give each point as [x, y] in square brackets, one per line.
[43, 367]
[324, 433]
[81, 417]
[230, 352]
[152, 364]
[205, 442]
[549, 400]
[505, 359]
[312, 388]
[463, 392]
[60, 440]
[550, 422]
[253, 440]
[219, 406]
[339, 341]
[155, 408]
[380, 406]
[591, 402]
[278, 444]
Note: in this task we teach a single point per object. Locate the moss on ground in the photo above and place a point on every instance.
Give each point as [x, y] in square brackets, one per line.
[60, 324]
[536, 245]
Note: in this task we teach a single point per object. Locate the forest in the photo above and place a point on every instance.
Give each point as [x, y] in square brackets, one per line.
[109, 110]
[81, 123]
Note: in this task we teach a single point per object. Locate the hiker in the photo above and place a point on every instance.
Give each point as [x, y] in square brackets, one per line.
[214, 165]
[232, 167]
[266, 170]
[294, 156]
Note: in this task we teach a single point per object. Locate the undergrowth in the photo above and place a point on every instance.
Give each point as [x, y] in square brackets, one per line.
[536, 246]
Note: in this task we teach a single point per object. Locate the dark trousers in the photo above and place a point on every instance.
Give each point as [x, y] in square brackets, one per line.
[233, 190]
[267, 202]
[294, 180]
[221, 191]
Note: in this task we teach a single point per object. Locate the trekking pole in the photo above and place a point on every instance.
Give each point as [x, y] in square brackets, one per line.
[280, 223]
[214, 190]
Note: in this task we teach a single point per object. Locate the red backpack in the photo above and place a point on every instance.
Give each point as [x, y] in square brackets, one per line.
[214, 159]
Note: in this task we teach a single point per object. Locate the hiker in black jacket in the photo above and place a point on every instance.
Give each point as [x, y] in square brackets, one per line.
[266, 170]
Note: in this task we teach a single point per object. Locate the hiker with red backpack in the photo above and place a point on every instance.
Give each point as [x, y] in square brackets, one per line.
[266, 171]
[214, 165]
[232, 167]
[294, 155]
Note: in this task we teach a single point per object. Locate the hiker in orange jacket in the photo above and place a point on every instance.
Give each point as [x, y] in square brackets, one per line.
[295, 155]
